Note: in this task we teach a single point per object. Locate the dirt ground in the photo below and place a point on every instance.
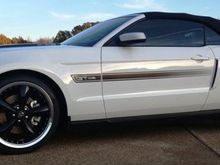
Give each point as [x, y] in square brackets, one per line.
[188, 141]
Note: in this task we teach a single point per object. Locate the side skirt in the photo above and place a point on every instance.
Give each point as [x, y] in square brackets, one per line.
[149, 117]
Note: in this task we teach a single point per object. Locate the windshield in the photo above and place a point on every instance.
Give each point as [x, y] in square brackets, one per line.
[94, 34]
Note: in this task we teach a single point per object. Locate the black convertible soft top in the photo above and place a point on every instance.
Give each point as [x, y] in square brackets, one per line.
[208, 21]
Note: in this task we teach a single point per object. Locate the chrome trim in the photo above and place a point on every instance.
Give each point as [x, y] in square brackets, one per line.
[84, 78]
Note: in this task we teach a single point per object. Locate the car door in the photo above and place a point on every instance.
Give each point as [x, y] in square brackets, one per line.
[170, 72]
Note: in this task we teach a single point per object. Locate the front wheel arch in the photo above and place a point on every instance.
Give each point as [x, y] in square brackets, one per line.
[55, 87]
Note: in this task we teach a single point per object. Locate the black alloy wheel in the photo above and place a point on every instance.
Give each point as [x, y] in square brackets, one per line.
[29, 114]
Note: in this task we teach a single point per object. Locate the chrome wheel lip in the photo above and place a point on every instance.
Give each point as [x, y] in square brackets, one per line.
[50, 121]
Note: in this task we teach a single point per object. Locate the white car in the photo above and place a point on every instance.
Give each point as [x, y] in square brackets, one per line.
[138, 65]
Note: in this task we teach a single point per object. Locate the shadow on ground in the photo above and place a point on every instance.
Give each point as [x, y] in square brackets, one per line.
[176, 141]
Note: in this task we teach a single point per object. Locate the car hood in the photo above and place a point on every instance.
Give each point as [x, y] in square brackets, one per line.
[47, 54]
[18, 45]
[28, 47]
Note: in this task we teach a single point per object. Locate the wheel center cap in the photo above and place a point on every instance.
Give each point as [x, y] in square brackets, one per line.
[21, 114]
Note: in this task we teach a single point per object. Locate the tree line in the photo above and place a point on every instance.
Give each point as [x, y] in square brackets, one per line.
[16, 40]
[61, 36]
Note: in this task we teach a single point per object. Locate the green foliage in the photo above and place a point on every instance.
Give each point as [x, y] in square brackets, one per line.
[80, 28]
[18, 40]
[64, 35]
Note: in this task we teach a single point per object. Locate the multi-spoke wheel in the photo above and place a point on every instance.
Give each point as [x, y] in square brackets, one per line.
[28, 114]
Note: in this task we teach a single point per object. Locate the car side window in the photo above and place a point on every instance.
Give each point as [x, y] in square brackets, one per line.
[164, 32]
[212, 37]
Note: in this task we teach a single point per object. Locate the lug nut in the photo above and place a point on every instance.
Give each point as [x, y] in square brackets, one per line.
[17, 108]
[19, 121]
[26, 117]
[13, 115]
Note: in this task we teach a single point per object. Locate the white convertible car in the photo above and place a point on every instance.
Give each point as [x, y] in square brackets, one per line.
[138, 65]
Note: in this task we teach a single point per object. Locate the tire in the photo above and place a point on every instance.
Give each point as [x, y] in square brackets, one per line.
[29, 114]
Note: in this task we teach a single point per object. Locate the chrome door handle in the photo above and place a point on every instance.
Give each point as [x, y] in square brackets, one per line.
[200, 58]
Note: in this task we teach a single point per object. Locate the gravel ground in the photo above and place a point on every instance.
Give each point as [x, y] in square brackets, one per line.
[188, 141]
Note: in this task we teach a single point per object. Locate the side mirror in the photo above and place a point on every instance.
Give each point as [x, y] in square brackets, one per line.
[132, 38]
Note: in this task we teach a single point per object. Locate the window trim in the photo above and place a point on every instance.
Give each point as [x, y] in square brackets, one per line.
[146, 19]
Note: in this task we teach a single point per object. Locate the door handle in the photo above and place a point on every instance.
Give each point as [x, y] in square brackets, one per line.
[200, 58]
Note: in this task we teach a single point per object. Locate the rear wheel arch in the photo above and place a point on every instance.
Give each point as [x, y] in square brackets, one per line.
[46, 79]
